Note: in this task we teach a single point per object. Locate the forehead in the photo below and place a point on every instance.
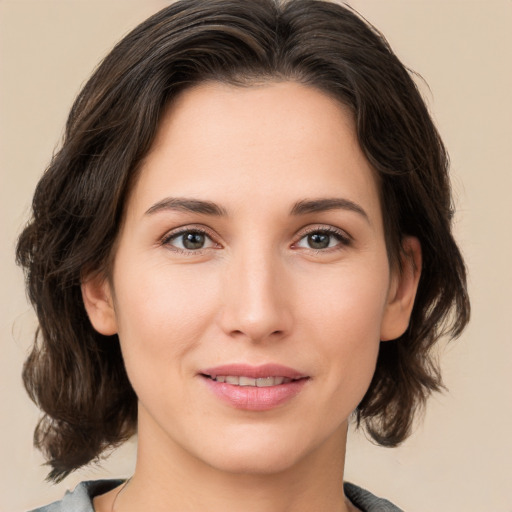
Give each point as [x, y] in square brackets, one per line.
[275, 140]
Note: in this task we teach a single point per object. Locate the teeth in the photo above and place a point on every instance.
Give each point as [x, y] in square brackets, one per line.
[268, 381]
[246, 381]
[261, 382]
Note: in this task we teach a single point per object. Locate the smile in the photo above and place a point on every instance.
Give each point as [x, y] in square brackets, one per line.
[261, 382]
[254, 388]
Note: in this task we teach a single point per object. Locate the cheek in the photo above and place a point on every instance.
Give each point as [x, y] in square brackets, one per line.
[161, 316]
[348, 303]
[163, 298]
[345, 320]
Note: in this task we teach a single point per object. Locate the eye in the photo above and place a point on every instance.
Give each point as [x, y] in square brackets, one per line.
[189, 240]
[323, 238]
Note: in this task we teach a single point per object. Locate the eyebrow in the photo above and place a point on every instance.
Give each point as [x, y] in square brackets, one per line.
[322, 205]
[303, 207]
[187, 205]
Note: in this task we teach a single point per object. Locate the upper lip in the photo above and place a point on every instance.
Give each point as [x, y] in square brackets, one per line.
[255, 372]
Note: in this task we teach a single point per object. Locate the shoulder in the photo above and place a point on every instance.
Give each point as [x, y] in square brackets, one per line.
[80, 499]
[366, 501]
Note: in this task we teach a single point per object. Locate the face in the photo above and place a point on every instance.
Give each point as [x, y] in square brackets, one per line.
[251, 285]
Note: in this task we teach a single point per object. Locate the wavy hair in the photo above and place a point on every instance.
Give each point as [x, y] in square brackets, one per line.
[73, 373]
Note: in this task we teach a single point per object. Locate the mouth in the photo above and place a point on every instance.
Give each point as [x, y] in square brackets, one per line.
[243, 380]
[254, 388]
[240, 374]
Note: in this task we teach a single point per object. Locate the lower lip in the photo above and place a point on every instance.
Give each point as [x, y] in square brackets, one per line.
[253, 398]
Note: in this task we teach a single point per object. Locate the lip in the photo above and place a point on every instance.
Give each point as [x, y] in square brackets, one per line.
[255, 372]
[252, 398]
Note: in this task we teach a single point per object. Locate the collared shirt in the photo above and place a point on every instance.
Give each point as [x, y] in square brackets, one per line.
[80, 500]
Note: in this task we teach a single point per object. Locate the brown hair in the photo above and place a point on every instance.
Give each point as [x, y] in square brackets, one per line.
[73, 373]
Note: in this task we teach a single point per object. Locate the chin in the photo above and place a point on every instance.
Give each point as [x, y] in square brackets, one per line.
[258, 454]
[255, 464]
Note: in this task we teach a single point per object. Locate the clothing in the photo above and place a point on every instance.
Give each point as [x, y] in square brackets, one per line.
[366, 501]
[80, 500]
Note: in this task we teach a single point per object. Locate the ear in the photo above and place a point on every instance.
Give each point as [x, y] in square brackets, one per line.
[402, 290]
[97, 297]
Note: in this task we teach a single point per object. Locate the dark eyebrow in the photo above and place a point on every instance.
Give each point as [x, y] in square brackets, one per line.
[322, 205]
[187, 205]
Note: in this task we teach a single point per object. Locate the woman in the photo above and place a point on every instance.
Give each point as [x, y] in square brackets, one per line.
[244, 241]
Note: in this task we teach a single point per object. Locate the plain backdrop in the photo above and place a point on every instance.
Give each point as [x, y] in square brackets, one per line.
[460, 457]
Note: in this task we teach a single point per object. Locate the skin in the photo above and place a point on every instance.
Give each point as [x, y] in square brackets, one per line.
[257, 292]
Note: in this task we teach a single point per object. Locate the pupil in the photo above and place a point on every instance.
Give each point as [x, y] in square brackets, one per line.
[318, 240]
[193, 240]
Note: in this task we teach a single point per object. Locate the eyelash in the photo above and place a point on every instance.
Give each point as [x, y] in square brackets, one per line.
[166, 240]
[343, 238]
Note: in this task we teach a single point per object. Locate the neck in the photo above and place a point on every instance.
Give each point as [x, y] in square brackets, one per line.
[167, 477]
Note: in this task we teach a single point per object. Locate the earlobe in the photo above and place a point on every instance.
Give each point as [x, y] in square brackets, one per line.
[402, 291]
[97, 297]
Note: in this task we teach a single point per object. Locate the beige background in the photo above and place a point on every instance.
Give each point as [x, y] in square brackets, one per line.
[460, 458]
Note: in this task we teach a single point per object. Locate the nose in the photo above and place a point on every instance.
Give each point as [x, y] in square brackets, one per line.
[257, 296]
